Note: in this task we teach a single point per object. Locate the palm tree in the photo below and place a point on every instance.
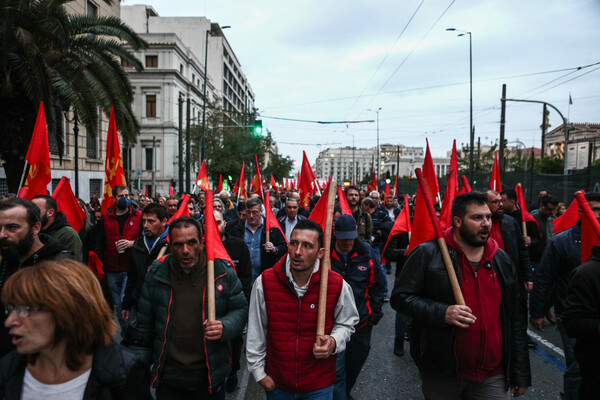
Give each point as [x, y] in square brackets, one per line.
[66, 61]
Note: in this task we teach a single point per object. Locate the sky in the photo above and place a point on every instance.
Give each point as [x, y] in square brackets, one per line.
[333, 60]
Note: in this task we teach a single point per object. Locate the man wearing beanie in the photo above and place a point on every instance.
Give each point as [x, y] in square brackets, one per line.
[355, 260]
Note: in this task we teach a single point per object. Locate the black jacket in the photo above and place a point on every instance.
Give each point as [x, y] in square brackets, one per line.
[561, 257]
[423, 291]
[52, 250]
[117, 373]
[582, 316]
[138, 265]
[536, 248]
[238, 251]
[514, 245]
[267, 259]
[396, 247]
[281, 221]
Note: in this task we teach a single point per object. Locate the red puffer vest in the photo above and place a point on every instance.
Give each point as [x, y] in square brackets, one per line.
[292, 327]
[113, 261]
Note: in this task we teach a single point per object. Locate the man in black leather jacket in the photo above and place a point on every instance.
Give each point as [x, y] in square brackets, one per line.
[469, 350]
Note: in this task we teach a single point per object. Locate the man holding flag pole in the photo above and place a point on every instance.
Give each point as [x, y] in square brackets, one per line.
[468, 335]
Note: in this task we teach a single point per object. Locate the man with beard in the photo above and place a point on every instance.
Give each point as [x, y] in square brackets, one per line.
[362, 218]
[475, 350]
[54, 224]
[22, 245]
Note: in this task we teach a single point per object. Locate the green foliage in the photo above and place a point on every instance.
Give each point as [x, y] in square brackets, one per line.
[551, 165]
[483, 162]
[66, 61]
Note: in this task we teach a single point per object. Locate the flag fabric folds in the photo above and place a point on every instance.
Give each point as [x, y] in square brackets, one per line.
[449, 195]
[424, 230]
[569, 218]
[170, 188]
[402, 224]
[319, 213]
[256, 184]
[242, 184]
[495, 183]
[95, 265]
[590, 228]
[68, 204]
[343, 201]
[212, 236]
[220, 185]
[38, 158]
[273, 183]
[202, 178]
[305, 182]
[183, 211]
[373, 185]
[115, 175]
[525, 216]
[465, 185]
[430, 176]
[270, 218]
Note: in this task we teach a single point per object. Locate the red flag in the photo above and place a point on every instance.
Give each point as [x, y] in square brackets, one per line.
[287, 183]
[590, 228]
[242, 184]
[429, 174]
[183, 211]
[305, 181]
[95, 265]
[343, 201]
[220, 185]
[449, 195]
[454, 162]
[170, 188]
[202, 178]
[235, 187]
[465, 185]
[257, 180]
[319, 213]
[525, 216]
[424, 228]
[386, 191]
[38, 158]
[402, 224]
[495, 182]
[395, 190]
[212, 237]
[68, 204]
[373, 185]
[146, 189]
[114, 163]
[569, 218]
[273, 183]
[270, 218]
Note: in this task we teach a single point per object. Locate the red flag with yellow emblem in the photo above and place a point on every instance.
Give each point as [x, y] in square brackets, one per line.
[115, 175]
[38, 158]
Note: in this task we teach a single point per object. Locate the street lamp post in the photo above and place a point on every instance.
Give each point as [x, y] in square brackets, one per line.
[75, 122]
[471, 130]
[208, 32]
[378, 155]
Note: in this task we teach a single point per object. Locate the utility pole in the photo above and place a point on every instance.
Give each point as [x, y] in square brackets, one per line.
[544, 127]
[153, 164]
[180, 145]
[502, 126]
[397, 166]
[187, 146]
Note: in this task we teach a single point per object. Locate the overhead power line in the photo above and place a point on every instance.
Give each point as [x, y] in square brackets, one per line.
[317, 122]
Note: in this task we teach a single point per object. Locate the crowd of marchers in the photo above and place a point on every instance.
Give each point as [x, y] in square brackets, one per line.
[139, 326]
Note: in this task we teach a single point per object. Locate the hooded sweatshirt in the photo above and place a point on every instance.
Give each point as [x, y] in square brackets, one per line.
[478, 348]
[62, 232]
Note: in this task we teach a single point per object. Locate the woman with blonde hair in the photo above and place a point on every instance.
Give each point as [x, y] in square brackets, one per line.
[63, 332]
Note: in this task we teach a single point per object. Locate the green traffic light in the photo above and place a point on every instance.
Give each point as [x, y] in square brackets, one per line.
[258, 129]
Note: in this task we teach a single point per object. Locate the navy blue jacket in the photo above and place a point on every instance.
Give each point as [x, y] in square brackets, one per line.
[561, 257]
[366, 278]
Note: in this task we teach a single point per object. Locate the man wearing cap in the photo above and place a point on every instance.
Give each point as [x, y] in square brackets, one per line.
[355, 260]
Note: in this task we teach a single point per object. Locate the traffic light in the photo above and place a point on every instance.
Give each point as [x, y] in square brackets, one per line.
[257, 129]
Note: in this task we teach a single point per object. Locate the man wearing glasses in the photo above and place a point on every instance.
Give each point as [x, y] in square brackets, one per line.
[263, 254]
[289, 221]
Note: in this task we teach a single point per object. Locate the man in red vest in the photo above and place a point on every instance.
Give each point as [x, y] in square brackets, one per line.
[281, 350]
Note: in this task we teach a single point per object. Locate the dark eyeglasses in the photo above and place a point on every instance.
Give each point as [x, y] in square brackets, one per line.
[22, 310]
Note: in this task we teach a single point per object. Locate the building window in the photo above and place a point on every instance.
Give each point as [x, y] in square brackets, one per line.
[92, 9]
[149, 158]
[181, 69]
[126, 64]
[151, 61]
[91, 148]
[95, 187]
[151, 106]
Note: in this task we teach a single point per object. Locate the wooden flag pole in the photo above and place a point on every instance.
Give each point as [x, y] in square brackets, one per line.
[424, 191]
[523, 223]
[210, 289]
[23, 176]
[326, 262]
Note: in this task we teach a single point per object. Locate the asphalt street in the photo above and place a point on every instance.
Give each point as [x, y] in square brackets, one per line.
[388, 377]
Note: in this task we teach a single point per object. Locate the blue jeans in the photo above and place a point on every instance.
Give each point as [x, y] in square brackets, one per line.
[572, 378]
[116, 284]
[339, 388]
[321, 394]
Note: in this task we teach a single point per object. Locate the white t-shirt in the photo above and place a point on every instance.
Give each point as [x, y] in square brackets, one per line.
[71, 390]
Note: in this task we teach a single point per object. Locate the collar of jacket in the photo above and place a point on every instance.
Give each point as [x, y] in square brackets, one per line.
[489, 250]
